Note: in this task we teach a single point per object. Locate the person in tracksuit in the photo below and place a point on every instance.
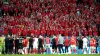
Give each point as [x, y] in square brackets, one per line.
[60, 43]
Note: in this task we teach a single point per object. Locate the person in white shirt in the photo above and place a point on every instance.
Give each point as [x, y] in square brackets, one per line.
[85, 43]
[35, 44]
[60, 43]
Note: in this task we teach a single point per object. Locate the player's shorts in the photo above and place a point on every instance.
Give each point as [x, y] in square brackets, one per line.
[80, 47]
[92, 47]
[35, 46]
[26, 47]
[20, 46]
[47, 45]
[31, 46]
[73, 46]
[54, 46]
[98, 48]
[84, 46]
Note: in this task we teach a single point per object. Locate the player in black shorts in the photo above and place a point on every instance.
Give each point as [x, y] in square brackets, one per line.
[40, 45]
[54, 46]
[30, 45]
[80, 44]
[16, 45]
[20, 45]
[11, 41]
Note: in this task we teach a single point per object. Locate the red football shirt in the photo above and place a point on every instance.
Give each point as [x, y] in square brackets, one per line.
[25, 42]
[14, 30]
[73, 40]
[24, 32]
[66, 42]
[92, 42]
[90, 31]
[47, 40]
[5, 31]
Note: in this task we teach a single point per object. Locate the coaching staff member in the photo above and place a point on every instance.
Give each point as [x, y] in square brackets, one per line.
[40, 44]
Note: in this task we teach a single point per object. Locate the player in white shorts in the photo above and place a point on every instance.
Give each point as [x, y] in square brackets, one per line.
[35, 45]
[73, 44]
[93, 45]
[85, 43]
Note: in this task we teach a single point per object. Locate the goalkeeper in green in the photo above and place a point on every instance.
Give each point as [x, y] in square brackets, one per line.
[2, 44]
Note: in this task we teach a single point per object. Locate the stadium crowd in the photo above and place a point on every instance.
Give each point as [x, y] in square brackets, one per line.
[30, 25]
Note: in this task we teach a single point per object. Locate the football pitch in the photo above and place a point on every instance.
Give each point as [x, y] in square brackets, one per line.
[53, 55]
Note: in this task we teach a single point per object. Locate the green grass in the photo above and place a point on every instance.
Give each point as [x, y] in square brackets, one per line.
[53, 55]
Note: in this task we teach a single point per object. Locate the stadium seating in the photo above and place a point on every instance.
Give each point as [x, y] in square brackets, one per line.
[48, 17]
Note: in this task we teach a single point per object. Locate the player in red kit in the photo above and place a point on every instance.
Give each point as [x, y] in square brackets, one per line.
[73, 44]
[25, 43]
[47, 44]
[93, 45]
